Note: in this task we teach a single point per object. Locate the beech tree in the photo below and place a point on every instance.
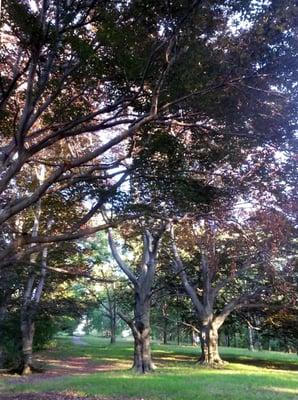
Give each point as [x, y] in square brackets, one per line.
[142, 283]
[238, 267]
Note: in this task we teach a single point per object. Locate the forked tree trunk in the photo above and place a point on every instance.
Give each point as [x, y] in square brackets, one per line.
[141, 333]
[142, 352]
[209, 346]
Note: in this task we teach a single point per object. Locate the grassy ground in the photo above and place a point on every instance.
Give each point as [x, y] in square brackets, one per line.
[247, 376]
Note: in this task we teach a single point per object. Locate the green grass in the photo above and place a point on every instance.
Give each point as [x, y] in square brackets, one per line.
[248, 376]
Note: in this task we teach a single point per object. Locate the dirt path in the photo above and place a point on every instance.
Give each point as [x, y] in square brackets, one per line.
[57, 396]
[45, 396]
[55, 367]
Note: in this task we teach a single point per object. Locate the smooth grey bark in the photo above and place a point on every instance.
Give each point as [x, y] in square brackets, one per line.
[142, 282]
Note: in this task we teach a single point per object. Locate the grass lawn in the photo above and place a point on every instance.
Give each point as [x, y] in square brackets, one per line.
[247, 376]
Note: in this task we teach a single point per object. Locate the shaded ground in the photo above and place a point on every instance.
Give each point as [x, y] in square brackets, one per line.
[55, 367]
[278, 365]
[70, 366]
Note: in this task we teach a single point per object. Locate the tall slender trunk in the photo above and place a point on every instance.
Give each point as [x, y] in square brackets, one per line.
[141, 333]
[165, 331]
[251, 338]
[209, 345]
[165, 323]
[178, 334]
[227, 339]
[113, 336]
[113, 326]
[193, 338]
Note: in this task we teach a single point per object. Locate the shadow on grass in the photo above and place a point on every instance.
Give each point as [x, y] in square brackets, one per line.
[270, 364]
[203, 384]
[103, 352]
[192, 356]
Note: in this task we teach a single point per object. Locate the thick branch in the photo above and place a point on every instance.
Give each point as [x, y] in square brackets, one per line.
[131, 276]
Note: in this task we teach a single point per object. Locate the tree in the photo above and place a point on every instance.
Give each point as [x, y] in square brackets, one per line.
[142, 283]
[240, 268]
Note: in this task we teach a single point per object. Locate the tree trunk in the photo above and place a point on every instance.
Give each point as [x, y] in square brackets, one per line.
[141, 333]
[165, 323]
[178, 334]
[142, 352]
[165, 331]
[251, 338]
[193, 338]
[27, 330]
[113, 329]
[209, 345]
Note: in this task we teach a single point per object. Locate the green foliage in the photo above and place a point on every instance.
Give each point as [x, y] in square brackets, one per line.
[11, 340]
[25, 23]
